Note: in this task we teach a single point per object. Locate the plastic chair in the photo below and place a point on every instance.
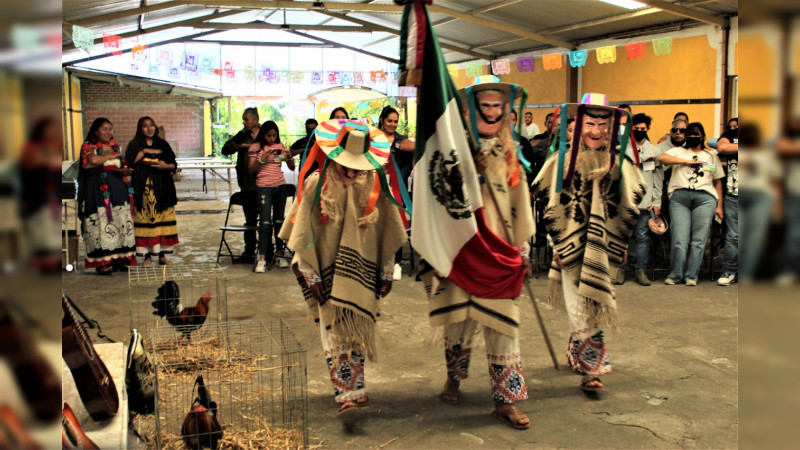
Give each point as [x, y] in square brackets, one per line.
[236, 199]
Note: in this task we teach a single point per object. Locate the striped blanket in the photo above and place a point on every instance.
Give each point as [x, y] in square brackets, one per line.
[347, 253]
[589, 223]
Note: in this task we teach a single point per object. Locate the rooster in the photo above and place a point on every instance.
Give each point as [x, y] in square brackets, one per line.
[201, 428]
[185, 320]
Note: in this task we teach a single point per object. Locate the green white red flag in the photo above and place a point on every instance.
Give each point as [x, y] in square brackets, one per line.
[448, 228]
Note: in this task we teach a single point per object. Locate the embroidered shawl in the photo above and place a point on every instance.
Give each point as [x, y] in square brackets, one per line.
[590, 222]
[348, 252]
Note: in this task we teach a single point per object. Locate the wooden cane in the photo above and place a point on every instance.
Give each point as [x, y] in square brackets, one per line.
[542, 327]
[530, 291]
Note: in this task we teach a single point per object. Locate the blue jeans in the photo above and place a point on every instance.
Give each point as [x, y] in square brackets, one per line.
[271, 207]
[692, 212]
[756, 215]
[641, 240]
[730, 260]
[792, 218]
[250, 209]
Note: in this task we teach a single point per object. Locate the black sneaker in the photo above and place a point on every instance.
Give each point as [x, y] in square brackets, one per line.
[245, 259]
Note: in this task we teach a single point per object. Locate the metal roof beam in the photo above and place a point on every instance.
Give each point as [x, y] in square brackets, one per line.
[95, 20]
[183, 23]
[602, 21]
[271, 26]
[484, 9]
[141, 16]
[686, 12]
[614, 18]
[454, 48]
[468, 17]
[128, 50]
[500, 42]
[383, 39]
[303, 5]
[348, 47]
[263, 44]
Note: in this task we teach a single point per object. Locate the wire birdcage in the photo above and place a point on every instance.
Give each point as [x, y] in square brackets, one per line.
[191, 283]
[254, 372]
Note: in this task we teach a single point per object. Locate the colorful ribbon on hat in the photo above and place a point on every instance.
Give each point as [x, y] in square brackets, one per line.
[562, 146]
[371, 145]
[399, 188]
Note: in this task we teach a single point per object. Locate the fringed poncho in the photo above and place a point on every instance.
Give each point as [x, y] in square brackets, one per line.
[508, 214]
[348, 254]
[590, 222]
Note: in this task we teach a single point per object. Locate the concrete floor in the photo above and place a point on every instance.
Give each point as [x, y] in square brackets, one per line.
[675, 360]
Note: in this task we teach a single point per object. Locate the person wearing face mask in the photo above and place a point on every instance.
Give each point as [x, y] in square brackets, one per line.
[695, 196]
[653, 173]
[345, 240]
[678, 116]
[300, 145]
[591, 199]
[153, 163]
[267, 154]
[105, 201]
[677, 138]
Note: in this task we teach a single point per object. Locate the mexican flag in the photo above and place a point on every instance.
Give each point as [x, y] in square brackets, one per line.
[448, 228]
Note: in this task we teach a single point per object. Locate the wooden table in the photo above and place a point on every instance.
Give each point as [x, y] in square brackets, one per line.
[211, 164]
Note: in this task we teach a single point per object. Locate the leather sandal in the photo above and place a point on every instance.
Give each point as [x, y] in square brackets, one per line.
[592, 385]
[450, 396]
[513, 417]
[353, 404]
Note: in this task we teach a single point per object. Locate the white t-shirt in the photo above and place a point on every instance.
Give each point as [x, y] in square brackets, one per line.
[529, 131]
[695, 178]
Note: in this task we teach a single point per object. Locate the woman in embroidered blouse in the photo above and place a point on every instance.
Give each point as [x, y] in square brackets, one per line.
[153, 163]
[695, 195]
[266, 156]
[105, 200]
[403, 153]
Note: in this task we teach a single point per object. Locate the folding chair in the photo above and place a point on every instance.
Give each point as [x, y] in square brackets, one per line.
[236, 199]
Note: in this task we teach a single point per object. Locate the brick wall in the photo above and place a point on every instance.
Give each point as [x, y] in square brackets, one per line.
[180, 115]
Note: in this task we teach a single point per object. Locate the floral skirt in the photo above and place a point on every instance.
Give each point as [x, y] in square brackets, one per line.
[106, 240]
[156, 231]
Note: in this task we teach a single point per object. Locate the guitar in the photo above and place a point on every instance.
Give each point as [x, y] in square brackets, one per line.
[13, 433]
[95, 384]
[72, 435]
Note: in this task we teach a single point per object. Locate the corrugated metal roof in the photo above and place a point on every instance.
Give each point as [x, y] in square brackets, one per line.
[504, 26]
